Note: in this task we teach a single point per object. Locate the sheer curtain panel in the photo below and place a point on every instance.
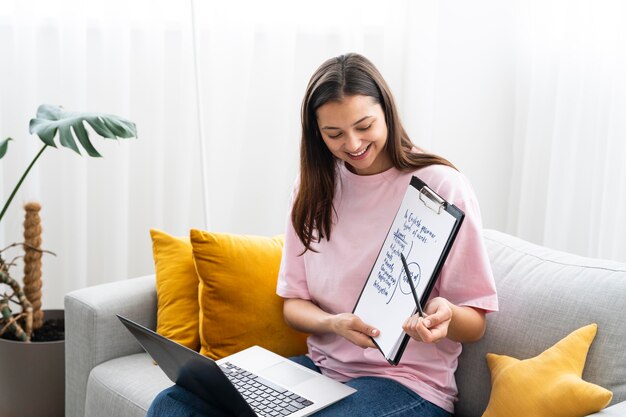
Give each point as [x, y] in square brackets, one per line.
[568, 188]
[112, 57]
[527, 98]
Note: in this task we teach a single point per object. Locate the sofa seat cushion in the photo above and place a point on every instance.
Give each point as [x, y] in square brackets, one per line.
[124, 386]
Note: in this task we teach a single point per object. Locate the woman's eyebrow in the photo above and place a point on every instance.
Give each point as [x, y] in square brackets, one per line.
[353, 124]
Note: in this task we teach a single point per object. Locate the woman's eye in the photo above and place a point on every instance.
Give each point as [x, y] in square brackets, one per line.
[362, 129]
[334, 136]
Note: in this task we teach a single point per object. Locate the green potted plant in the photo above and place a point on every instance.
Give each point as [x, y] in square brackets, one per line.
[27, 365]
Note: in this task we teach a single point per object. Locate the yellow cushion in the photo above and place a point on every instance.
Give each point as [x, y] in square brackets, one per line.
[547, 385]
[177, 289]
[239, 307]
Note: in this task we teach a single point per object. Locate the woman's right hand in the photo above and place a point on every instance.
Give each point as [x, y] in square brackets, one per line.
[305, 316]
[352, 328]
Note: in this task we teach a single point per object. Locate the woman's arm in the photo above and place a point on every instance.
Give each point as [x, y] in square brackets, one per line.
[444, 319]
[305, 316]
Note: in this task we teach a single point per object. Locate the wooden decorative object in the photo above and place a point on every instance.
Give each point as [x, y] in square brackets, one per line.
[32, 261]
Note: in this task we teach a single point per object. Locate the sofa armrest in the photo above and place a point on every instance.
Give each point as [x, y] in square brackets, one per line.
[616, 410]
[93, 334]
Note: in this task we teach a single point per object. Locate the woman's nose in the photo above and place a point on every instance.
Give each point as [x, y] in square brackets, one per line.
[353, 143]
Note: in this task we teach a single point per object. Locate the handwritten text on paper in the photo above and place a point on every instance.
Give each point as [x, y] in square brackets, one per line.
[391, 275]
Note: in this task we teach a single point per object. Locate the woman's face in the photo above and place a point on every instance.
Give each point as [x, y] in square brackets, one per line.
[355, 131]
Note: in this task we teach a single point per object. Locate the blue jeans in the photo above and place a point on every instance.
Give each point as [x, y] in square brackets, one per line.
[375, 397]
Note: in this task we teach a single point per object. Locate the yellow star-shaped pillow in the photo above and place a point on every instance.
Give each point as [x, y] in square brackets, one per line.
[548, 385]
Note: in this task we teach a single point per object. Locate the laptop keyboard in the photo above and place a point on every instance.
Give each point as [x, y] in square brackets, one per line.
[265, 398]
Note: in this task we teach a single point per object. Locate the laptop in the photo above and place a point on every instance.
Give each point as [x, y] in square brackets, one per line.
[252, 382]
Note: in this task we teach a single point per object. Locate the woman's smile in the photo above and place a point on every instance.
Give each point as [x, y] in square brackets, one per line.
[359, 155]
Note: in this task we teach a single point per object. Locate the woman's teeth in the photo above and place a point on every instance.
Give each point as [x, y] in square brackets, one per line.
[360, 153]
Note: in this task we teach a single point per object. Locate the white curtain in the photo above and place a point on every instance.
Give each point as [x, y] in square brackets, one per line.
[215, 88]
[130, 59]
[568, 188]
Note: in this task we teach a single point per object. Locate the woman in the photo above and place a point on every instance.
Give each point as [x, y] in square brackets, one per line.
[356, 161]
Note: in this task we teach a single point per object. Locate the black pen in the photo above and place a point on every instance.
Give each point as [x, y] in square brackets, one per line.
[408, 276]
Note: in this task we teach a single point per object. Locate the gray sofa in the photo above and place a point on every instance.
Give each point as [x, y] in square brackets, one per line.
[544, 295]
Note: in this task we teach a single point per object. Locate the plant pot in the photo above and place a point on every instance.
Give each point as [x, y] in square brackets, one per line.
[32, 377]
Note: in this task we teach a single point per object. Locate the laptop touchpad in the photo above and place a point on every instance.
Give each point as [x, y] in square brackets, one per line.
[286, 374]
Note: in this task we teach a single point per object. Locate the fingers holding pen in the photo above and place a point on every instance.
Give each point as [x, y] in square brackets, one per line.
[434, 326]
[415, 327]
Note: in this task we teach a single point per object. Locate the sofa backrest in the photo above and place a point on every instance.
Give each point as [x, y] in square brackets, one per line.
[543, 296]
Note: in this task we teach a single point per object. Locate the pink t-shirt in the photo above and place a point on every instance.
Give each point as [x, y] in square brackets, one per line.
[333, 277]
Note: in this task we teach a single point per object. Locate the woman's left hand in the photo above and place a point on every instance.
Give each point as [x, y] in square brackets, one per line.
[434, 326]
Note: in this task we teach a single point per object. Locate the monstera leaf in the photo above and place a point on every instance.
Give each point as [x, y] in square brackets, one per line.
[4, 146]
[71, 127]
[51, 119]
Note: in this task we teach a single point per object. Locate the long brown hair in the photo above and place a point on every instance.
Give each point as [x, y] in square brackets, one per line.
[346, 75]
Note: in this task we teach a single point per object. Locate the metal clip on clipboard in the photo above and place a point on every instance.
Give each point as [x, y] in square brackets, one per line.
[432, 197]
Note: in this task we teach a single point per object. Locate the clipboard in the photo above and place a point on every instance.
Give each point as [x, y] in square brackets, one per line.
[423, 230]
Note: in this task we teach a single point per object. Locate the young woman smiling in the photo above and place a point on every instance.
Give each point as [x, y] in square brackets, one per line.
[356, 161]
